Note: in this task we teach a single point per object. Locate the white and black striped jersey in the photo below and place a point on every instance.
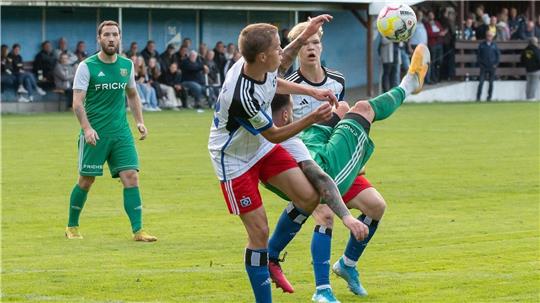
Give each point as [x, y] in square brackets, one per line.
[303, 105]
[241, 113]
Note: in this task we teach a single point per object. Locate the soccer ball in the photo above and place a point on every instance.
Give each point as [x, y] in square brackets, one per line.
[396, 22]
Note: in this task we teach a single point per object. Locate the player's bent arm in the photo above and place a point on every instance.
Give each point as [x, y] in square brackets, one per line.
[134, 103]
[78, 108]
[288, 87]
[277, 135]
[326, 187]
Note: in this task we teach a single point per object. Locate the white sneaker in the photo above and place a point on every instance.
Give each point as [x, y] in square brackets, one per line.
[23, 99]
[40, 91]
[157, 109]
[21, 90]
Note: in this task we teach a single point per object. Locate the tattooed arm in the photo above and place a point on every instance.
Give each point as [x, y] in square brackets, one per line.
[90, 135]
[291, 50]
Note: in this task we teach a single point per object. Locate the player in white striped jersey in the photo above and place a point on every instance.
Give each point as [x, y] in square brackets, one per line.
[243, 151]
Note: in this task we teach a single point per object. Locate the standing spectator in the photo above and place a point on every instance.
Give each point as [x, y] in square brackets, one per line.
[529, 31]
[231, 48]
[483, 28]
[63, 49]
[133, 50]
[448, 70]
[517, 24]
[172, 77]
[435, 34]
[64, 73]
[469, 32]
[237, 55]
[503, 31]
[488, 59]
[219, 57]
[420, 34]
[9, 80]
[192, 76]
[80, 51]
[213, 76]
[389, 53]
[44, 63]
[492, 27]
[537, 28]
[27, 81]
[149, 51]
[167, 57]
[530, 58]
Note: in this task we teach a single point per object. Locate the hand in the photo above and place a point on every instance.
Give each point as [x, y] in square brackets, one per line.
[206, 69]
[91, 136]
[142, 130]
[314, 25]
[325, 95]
[359, 230]
[322, 113]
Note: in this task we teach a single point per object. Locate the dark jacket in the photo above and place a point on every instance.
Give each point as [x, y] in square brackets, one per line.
[171, 79]
[146, 54]
[530, 58]
[17, 63]
[220, 60]
[192, 71]
[488, 55]
[45, 62]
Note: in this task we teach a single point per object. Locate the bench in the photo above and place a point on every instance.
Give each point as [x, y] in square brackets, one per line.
[509, 60]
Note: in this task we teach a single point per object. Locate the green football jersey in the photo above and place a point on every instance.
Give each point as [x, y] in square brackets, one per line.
[105, 85]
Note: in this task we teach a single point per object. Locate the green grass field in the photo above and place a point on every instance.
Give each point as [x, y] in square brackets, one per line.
[462, 224]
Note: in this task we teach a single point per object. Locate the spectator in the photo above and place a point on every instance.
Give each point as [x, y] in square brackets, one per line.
[284, 40]
[492, 27]
[483, 28]
[64, 73]
[63, 49]
[517, 24]
[231, 48]
[219, 57]
[164, 92]
[167, 57]
[503, 31]
[181, 54]
[488, 59]
[44, 63]
[203, 49]
[420, 34]
[237, 55]
[469, 32]
[389, 53]
[214, 80]
[27, 81]
[448, 70]
[481, 16]
[8, 79]
[435, 34]
[172, 77]
[537, 28]
[133, 50]
[149, 51]
[187, 43]
[80, 51]
[530, 58]
[192, 76]
[146, 92]
[528, 33]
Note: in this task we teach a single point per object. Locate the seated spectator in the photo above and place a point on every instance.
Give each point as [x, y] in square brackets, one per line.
[231, 48]
[27, 81]
[181, 54]
[203, 49]
[64, 73]
[167, 57]
[63, 49]
[146, 92]
[172, 77]
[469, 32]
[230, 63]
[8, 78]
[530, 58]
[503, 31]
[165, 93]
[192, 76]
[214, 81]
[219, 57]
[44, 63]
[187, 43]
[149, 51]
[80, 51]
[133, 50]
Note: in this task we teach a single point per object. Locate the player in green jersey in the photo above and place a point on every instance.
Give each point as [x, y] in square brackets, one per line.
[100, 87]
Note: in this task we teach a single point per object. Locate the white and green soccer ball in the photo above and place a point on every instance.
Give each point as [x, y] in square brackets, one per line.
[396, 22]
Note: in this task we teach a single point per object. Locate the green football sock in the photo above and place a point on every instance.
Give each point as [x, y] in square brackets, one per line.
[76, 203]
[133, 207]
[386, 104]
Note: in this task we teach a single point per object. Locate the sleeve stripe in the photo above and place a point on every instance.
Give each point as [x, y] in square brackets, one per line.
[245, 98]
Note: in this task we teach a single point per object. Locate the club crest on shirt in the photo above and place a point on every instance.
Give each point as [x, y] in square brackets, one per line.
[123, 72]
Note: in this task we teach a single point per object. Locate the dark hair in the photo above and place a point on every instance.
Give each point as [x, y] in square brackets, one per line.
[280, 101]
[16, 45]
[45, 42]
[150, 42]
[107, 23]
[255, 39]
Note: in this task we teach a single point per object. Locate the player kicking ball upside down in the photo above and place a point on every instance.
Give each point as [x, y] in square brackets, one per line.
[243, 148]
[341, 147]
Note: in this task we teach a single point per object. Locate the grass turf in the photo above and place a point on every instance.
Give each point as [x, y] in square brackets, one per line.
[462, 225]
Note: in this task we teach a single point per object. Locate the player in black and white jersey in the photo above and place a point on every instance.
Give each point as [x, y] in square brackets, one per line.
[243, 151]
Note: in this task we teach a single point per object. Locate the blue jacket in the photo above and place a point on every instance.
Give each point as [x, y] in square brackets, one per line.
[488, 55]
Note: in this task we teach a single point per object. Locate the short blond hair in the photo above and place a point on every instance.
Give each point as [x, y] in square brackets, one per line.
[299, 28]
[255, 39]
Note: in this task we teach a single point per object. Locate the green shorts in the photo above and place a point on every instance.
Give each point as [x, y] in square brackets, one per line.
[118, 151]
[341, 151]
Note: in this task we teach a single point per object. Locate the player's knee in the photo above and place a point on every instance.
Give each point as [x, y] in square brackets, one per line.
[362, 108]
[378, 208]
[342, 109]
[259, 235]
[324, 216]
[85, 182]
[130, 178]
